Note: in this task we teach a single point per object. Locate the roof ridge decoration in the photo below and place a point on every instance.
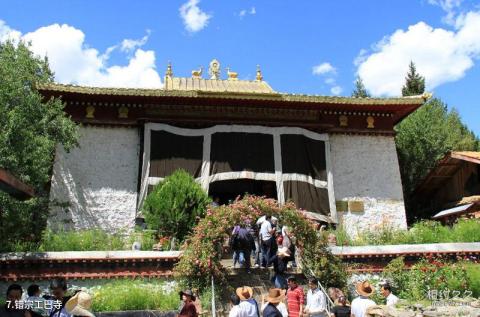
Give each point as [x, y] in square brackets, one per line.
[259, 76]
[214, 69]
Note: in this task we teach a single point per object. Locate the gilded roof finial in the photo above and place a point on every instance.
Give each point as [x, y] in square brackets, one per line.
[259, 76]
[169, 72]
[197, 73]
[214, 69]
[231, 75]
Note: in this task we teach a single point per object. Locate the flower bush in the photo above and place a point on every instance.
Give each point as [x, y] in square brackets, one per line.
[429, 274]
[202, 250]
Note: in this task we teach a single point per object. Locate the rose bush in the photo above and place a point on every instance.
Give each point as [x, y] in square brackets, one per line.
[202, 250]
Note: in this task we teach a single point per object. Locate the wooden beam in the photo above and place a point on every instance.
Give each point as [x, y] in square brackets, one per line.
[14, 186]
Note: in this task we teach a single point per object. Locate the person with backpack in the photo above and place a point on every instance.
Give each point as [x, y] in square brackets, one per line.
[233, 244]
[243, 244]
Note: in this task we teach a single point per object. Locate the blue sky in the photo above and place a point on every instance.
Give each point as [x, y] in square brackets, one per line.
[313, 47]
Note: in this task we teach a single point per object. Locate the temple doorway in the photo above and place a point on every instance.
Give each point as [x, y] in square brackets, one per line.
[228, 190]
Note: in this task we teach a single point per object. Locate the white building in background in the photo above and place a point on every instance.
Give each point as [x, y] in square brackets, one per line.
[333, 156]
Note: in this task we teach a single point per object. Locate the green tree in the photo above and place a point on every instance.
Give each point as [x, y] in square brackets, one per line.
[414, 83]
[174, 204]
[30, 129]
[423, 138]
[360, 91]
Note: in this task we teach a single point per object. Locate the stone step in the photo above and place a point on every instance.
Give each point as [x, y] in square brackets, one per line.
[258, 279]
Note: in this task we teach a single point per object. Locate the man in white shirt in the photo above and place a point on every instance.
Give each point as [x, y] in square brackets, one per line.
[316, 300]
[362, 302]
[248, 306]
[266, 238]
[386, 290]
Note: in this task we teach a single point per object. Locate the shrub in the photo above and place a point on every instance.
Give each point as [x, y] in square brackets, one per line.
[466, 230]
[202, 250]
[174, 204]
[473, 274]
[83, 240]
[126, 294]
[430, 274]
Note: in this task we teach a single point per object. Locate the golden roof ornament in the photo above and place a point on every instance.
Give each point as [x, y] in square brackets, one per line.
[214, 69]
[259, 76]
[197, 73]
[169, 72]
[231, 75]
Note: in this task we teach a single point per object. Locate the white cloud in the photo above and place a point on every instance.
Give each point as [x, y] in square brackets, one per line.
[440, 55]
[128, 45]
[193, 17]
[73, 62]
[324, 68]
[7, 33]
[336, 90]
[244, 12]
[450, 7]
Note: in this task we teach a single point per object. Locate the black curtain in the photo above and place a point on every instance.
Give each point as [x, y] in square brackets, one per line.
[169, 152]
[307, 196]
[303, 155]
[237, 152]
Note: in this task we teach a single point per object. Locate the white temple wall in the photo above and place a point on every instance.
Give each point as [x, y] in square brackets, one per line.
[365, 169]
[98, 180]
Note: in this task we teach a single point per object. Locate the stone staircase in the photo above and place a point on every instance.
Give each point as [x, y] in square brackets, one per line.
[258, 279]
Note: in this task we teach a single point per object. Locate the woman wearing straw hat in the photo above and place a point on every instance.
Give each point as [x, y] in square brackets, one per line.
[362, 302]
[79, 305]
[275, 297]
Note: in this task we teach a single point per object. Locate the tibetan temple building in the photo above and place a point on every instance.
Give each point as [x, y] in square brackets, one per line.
[333, 156]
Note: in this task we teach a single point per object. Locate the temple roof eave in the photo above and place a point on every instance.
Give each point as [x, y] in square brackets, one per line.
[265, 96]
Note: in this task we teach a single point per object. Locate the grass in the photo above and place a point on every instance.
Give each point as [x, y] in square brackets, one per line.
[426, 231]
[87, 240]
[122, 295]
[84, 240]
[147, 238]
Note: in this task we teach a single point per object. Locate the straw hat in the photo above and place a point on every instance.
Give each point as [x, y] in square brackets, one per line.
[284, 252]
[364, 288]
[244, 292]
[79, 305]
[188, 293]
[275, 295]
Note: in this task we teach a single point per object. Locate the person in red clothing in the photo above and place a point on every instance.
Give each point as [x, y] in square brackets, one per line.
[295, 298]
[187, 309]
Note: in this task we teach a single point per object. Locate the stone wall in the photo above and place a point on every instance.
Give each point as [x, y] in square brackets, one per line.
[365, 169]
[98, 180]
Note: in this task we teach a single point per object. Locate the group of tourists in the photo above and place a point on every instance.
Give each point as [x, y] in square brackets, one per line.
[269, 244]
[57, 304]
[292, 302]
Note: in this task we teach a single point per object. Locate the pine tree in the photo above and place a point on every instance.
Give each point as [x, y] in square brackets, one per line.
[360, 90]
[414, 83]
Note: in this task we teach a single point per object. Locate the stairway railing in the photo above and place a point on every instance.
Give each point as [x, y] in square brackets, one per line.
[329, 301]
[214, 313]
